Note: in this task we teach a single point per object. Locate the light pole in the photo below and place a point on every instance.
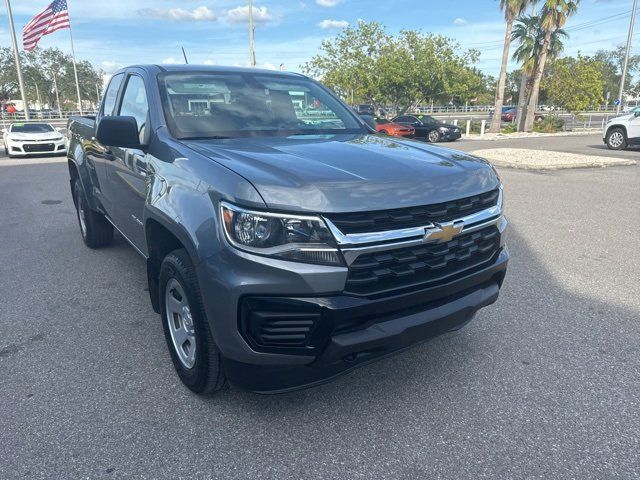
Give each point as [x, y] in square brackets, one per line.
[626, 55]
[252, 52]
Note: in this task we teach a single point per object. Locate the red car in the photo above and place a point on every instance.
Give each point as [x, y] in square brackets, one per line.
[394, 129]
[510, 115]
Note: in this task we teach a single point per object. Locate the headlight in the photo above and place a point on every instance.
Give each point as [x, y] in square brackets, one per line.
[444, 129]
[289, 237]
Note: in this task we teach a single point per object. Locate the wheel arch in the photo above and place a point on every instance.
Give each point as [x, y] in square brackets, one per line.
[163, 237]
[617, 126]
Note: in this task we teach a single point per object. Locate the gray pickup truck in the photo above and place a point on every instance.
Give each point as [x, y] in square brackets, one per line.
[285, 241]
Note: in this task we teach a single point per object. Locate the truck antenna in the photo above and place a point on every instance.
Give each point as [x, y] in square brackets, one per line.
[185, 56]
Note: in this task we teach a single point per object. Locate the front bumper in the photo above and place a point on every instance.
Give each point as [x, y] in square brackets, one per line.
[452, 135]
[349, 331]
[27, 148]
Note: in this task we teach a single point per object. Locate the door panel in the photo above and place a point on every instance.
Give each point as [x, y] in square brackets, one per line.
[127, 170]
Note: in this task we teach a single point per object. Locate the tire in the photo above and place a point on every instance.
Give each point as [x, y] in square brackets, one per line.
[434, 136]
[199, 370]
[95, 229]
[616, 139]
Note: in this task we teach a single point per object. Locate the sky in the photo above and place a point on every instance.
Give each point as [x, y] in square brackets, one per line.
[116, 33]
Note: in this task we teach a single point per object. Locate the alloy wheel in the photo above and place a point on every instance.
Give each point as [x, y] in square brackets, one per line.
[180, 322]
[616, 139]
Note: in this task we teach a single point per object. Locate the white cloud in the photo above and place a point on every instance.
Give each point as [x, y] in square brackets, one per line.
[241, 15]
[109, 66]
[460, 21]
[199, 14]
[171, 61]
[328, 3]
[328, 24]
[208, 61]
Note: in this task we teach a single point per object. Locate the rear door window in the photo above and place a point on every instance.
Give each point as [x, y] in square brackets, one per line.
[111, 95]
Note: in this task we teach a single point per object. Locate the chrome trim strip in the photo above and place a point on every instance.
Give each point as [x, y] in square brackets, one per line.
[351, 254]
[391, 235]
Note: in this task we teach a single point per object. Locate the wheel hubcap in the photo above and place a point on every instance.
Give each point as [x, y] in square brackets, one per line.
[433, 137]
[180, 322]
[616, 139]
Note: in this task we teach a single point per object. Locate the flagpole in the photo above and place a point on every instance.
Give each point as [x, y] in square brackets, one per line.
[75, 68]
[55, 85]
[252, 50]
[16, 53]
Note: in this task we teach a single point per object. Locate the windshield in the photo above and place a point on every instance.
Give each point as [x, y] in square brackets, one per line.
[31, 128]
[214, 105]
[427, 119]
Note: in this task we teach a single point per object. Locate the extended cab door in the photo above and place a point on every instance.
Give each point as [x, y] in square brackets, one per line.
[96, 154]
[127, 170]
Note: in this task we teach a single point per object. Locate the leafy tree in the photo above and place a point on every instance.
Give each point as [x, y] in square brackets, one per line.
[554, 16]
[512, 9]
[612, 62]
[38, 68]
[366, 64]
[574, 83]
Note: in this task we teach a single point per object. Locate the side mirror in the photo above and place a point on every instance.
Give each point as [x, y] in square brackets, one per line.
[118, 132]
[637, 113]
[417, 124]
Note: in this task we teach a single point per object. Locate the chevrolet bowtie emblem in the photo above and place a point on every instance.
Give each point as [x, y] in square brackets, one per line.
[443, 232]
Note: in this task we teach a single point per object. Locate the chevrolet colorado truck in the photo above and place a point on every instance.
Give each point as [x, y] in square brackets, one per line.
[286, 242]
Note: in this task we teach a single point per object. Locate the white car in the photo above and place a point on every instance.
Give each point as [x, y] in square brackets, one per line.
[624, 131]
[29, 139]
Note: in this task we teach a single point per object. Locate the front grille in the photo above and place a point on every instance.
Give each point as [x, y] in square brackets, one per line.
[380, 221]
[424, 265]
[39, 147]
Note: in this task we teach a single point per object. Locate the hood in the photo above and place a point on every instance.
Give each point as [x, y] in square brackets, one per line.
[349, 173]
[34, 136]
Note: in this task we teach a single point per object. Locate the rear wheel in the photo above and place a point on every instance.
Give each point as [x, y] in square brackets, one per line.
[95, 228]
[616, 139]
[186, 328]
[434, 136]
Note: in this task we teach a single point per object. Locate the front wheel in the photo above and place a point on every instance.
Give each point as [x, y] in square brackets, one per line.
[186, 329]
[616, 139]
[433, 136]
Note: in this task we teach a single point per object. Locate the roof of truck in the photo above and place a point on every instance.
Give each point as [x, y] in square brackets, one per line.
[211, 68]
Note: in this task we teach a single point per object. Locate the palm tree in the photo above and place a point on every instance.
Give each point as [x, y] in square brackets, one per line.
[529, 34]
[512, 10]
[554, 15]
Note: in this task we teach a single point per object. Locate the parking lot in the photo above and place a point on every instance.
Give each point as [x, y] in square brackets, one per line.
[543, 384]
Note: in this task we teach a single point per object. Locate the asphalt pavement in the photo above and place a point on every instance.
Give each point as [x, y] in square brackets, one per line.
[543, 384]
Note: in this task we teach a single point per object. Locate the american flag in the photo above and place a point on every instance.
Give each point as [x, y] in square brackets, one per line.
[54, 17]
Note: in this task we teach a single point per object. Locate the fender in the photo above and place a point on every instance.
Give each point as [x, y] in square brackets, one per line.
[77, 156]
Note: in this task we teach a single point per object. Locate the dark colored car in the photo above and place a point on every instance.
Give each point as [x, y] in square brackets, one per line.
[429, 128]
[282, 247]
[511, 115]
[365, 109]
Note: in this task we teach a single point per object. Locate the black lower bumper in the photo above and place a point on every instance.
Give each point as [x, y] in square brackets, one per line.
[357, 331]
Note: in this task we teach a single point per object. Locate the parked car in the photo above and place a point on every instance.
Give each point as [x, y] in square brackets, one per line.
[429, 128]
[282, 251]
[365, 109]
[28, 139]
[394, 129]
[512, 114]
[624, 131]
